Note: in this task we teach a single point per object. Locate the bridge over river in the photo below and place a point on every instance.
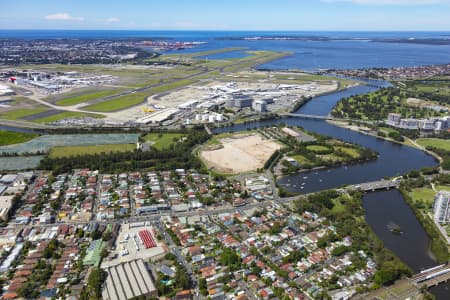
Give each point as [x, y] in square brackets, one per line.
[374, 186]
[410, 288]
[432, 276]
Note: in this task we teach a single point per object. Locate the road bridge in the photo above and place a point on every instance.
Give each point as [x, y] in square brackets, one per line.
[374, 186]
[432, 276]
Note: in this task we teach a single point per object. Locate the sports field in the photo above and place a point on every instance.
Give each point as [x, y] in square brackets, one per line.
[437, 143]
[58, 152]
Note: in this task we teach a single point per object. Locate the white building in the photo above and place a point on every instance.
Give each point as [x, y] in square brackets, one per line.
[441, 207]
[393, 119]
[427, 125]
[411, 124]
[259, 106]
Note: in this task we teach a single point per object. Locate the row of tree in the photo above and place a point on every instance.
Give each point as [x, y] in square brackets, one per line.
[177, 155]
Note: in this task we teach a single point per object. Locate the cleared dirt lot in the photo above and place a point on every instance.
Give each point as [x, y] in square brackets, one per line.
[239, 153]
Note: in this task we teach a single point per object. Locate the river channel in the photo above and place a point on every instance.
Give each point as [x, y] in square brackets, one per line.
[393, 160]
[382, 208]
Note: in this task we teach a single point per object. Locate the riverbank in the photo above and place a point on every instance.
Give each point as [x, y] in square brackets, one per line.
[371, 132]
[439, 245]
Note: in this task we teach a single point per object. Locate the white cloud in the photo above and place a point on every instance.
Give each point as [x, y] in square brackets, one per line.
[112, 20]
[393, 2]
[63, 17]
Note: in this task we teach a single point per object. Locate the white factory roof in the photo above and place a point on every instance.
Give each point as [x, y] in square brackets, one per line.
[128, 280]
[158, 116]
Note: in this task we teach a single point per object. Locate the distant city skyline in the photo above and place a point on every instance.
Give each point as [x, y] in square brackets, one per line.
[343, 15]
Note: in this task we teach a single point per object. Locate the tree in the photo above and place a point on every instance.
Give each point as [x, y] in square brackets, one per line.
[230, 258]
[95, 281]
[202, 286]
[182, 279]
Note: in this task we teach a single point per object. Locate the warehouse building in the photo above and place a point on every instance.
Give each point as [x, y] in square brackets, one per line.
[241, 101]
[129, 280]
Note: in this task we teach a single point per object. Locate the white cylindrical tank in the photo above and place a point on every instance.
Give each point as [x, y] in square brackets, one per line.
[188, 121]
[198, 117]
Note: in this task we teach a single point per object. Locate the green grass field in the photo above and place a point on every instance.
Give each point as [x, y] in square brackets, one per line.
[86, 97]
[10, 137]
[171, 86]
[438, 143]
[58, 152]
[21, 113]
[352, 152]
[316, 148]
[118, 103]
[65, 115]
[164, 141]
[300, 159]
[388, 130]
[426, 195]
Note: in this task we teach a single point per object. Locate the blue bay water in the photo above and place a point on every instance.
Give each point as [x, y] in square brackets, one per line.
[306, 55]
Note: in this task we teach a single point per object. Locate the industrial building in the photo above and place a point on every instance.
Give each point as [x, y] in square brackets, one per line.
[188, 105]
[158, 116]
[259, 106]
[441, 207]
[241, 101]
[129, 280]
[135, 241]
[93, 253]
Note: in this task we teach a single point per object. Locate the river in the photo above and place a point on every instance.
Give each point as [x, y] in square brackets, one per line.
[393, 160]
[412, 247]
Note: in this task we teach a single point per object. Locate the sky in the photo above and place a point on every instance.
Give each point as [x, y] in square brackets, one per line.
[296, 15]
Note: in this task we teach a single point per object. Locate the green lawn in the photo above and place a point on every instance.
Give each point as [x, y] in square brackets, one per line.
[65, 115]
[338, 206]
[118, 103]
[164, 141]
[352, 152]
[58, 152]
[10, 137]
[300, 159]
[426, 195]
[437, 143]
[21, 113]
[171, 86]
[86, 97]
[388, 130]
[316, 148]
